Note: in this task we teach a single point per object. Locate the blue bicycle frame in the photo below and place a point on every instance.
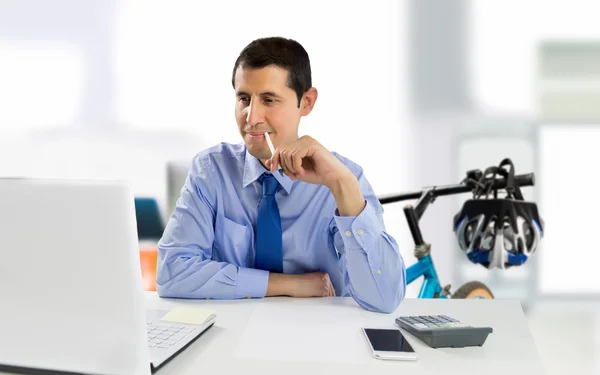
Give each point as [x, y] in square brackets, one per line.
[431, 285]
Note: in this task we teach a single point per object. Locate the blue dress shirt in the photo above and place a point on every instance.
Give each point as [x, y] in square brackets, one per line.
[207, 249]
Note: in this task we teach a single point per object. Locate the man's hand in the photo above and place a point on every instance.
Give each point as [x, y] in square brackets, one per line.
[309, 161]
[314, 284]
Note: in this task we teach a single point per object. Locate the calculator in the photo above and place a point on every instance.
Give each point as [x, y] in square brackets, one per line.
[441, 331]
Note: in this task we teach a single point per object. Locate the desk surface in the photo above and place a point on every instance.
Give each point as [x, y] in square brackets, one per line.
[322, 335]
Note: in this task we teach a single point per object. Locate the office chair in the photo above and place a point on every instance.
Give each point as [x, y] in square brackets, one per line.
[150, 228]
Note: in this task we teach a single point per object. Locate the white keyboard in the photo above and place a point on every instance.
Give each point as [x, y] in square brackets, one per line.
[165, 335]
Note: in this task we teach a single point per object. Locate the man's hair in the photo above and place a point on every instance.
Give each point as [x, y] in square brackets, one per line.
[283, 53]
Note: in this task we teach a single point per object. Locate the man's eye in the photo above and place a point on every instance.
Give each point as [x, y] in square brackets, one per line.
[244, 99]
[269, 100]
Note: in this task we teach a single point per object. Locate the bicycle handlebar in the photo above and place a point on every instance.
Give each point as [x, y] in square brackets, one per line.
[464, 187]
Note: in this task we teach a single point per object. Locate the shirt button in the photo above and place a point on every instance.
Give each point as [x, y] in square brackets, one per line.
[248, 297]
[379, 271]
[361, 232]
[348, 233]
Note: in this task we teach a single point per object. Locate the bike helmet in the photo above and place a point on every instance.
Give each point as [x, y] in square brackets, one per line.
[498, 232]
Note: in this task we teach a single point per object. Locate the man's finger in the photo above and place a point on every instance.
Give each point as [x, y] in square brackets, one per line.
[274, 161]
[284, 164]
[297, 162]
[289, 154]
[325, 286]
[331, 286]
[328, 285]
[283, 160]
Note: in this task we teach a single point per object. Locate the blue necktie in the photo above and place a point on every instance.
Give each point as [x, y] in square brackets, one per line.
[269, 254]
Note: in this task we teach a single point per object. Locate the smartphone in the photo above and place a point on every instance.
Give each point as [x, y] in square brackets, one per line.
[389, 344]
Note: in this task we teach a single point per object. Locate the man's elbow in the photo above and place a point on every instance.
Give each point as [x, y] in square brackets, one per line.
[173, 289]
[398, 291]
[173, 282]
[167, 287]
[386, 305]
[391, 304]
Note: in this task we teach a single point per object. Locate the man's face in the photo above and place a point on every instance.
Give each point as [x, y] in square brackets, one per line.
[264, 103]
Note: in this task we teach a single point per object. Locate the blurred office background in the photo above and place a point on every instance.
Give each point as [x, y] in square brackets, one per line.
[417, 92]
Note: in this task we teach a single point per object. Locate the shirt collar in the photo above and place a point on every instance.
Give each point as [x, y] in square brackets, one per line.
[253, 169]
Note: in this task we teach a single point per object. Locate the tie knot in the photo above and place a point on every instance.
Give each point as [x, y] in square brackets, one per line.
[270, 184]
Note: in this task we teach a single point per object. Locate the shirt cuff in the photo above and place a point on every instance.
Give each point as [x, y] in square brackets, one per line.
[251, 283]
[359, 232]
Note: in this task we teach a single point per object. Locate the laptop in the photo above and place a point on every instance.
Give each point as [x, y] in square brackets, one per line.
[71, 297]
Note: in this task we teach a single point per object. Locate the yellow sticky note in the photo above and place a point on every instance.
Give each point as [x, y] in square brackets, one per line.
[187, 315]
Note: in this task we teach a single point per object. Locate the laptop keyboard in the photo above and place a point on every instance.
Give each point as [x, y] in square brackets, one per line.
[161, 335]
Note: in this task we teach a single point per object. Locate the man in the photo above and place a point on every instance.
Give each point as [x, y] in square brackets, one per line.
[241, 229]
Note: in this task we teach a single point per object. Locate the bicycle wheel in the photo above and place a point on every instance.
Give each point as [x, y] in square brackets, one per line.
[473, 290]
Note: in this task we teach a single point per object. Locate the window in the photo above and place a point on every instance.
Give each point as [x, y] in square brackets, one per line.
[505, 37]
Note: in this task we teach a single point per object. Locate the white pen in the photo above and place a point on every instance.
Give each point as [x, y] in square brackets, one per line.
[272, 150]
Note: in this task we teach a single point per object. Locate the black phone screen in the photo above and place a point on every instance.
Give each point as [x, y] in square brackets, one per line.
[388, 340]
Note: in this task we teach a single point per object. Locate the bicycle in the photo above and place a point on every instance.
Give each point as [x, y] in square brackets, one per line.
[431, 287]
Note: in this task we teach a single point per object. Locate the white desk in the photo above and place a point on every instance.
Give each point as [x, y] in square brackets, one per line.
[322, 336]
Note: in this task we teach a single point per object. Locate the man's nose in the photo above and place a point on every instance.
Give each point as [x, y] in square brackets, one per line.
[255, 113]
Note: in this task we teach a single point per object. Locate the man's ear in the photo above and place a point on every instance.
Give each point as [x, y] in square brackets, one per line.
[308, 101]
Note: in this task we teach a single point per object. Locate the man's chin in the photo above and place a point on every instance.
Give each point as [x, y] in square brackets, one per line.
[258, 152]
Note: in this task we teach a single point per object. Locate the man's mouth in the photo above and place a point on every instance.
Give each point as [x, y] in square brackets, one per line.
[256, 135]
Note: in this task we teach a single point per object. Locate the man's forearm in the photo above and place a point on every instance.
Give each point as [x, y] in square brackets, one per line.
[278, 285]
[312, 284]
